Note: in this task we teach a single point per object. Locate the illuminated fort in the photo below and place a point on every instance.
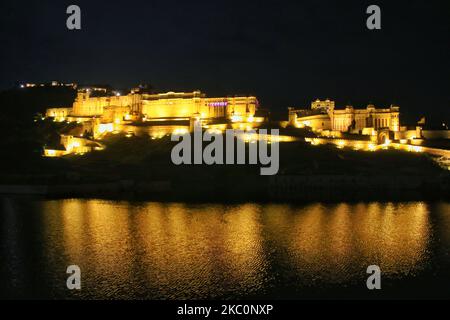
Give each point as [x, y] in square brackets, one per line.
[324, 116]
[170, 106]
[161, 114]
[365, 129]
[158, 114]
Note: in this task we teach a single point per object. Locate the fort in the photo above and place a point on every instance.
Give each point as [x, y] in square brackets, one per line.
[100, 111]
[169, 106]
[156, 114]
[324, 116]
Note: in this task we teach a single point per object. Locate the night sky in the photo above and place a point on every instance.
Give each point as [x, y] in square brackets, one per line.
[285, 53]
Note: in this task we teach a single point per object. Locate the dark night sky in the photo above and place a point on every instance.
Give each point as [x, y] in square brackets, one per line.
[286, 53]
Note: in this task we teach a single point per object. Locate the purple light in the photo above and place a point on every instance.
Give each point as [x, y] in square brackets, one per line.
[218, 104]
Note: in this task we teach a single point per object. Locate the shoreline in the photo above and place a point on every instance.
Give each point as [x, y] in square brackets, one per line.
[276, 189]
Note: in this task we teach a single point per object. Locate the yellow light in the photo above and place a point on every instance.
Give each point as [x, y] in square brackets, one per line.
[277, 138]
[372, 147]
[415, 149]
[236, 118]
[341, 144]
[158, 135]
[105, 127]
[214, 131]
[178, 131]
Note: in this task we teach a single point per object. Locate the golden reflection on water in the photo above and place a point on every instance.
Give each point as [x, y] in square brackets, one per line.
[334, 242]
[182, 251]
[191, 247]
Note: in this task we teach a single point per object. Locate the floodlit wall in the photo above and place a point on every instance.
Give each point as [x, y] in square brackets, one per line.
[359, 119]
[171, 108]
[163, 106]
[345, 120]
[59, 114]
[85, 105]
[436, 134]
[317, 122]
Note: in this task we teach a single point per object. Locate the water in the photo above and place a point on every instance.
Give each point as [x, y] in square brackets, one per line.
[152, 250]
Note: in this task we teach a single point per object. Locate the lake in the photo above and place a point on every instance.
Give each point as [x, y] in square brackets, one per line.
[156, 250]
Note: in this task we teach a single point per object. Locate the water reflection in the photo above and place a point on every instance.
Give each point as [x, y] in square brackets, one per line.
[175, 250]
[333, 242]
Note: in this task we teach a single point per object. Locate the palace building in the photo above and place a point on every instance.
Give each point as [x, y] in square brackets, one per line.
[170, 106]
[100, 111]
[324, 116]
[155, 114]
